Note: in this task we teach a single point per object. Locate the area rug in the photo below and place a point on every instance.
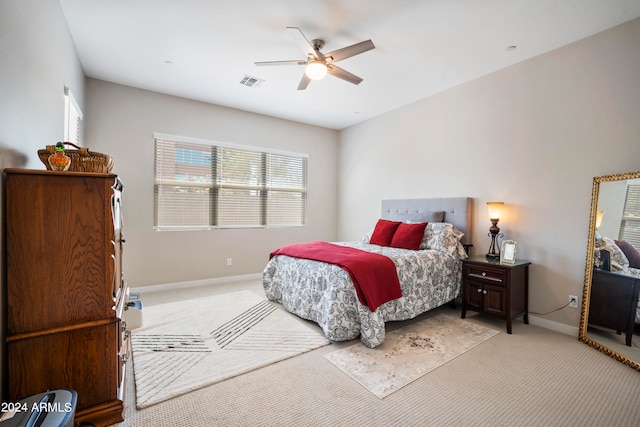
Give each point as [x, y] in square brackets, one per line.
[187, 345]
[409, 353]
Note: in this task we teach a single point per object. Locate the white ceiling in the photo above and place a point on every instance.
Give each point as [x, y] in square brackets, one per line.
[202, 49]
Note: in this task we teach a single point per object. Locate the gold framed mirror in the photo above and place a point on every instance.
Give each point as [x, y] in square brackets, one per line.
[611, 321]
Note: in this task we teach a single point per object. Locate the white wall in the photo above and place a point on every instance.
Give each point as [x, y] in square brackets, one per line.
[121, 121]
[532, 135]
[37, 60]
[611, 198]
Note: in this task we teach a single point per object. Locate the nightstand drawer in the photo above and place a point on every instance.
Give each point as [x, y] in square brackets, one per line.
[498, 289]
[485, 274]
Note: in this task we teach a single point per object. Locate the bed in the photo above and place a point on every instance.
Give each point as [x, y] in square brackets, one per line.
[428, 278]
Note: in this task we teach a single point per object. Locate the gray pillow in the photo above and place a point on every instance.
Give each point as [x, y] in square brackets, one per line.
[429, 216]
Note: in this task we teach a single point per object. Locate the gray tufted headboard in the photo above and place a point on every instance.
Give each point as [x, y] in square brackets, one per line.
[457, 211]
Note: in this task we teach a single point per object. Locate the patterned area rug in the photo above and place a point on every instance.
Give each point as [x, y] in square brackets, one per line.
[409, 353]
[187, 345]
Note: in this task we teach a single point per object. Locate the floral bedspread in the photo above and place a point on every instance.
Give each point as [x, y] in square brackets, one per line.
[325, 294]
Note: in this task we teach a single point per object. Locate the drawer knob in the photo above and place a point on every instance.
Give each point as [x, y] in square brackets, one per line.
[479, 290]
[484, 274]
[484, 292]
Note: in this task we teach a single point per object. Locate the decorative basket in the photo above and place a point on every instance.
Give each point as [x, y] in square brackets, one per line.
[82, 160]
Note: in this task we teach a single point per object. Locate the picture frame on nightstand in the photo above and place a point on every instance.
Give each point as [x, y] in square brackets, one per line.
[508, 252]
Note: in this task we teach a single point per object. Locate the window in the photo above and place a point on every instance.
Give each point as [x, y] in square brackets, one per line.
[630, 225]
[72, 118]
[205, 185]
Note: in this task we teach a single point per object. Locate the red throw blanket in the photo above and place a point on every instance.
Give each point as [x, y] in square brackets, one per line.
[373, 275]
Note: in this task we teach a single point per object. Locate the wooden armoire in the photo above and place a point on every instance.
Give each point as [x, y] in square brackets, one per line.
[65, 291]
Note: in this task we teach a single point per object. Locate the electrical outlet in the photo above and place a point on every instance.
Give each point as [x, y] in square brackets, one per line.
[573, 301]
[229, 262]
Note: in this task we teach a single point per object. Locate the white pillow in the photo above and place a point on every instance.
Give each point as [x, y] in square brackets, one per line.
[367, 236]
[619, 261]
[441, 236]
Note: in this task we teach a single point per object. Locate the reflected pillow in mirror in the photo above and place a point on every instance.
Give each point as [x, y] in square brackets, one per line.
[619, 261]
[630, 252]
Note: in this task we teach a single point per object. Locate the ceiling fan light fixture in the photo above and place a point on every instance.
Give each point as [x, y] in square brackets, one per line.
[316, 70]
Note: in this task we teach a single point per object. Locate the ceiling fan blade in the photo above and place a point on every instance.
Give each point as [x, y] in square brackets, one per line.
[304, 82]
[343, 74]
[292, 62]
[349, 51]
[302, 41]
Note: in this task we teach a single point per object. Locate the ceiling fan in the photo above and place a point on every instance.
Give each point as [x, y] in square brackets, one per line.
[319, 64]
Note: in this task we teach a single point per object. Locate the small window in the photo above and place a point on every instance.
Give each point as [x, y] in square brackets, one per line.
[205, 185]
[72, 118]
[630, 225]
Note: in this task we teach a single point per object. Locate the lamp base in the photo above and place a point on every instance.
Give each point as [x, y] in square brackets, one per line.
[493, 257]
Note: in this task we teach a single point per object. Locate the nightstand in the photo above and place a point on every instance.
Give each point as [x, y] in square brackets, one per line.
[498, 289]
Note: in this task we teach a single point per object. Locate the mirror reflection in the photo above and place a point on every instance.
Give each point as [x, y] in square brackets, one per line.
[610, 318]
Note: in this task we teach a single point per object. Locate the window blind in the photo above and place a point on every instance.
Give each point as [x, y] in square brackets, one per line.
[204, 185]
[72, 118]
[630, 225]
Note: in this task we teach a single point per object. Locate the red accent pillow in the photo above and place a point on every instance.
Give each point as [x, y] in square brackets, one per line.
[630, 252]
[383, 232]
[409, 236]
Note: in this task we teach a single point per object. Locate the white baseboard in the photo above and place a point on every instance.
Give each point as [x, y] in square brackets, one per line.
[196, 283]
[554, 326]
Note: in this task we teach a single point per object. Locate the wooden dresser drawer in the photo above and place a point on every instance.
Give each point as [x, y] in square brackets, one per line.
[65, 300]
[485, 274]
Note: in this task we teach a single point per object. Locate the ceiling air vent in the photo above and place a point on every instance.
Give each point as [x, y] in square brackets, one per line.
[251, 81]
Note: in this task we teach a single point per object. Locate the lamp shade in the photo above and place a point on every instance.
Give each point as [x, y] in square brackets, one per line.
[599, 218]
[495, 209]
[316, 70]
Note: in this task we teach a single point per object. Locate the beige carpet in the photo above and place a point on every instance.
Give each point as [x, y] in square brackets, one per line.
[533, 377]
[186, 345]
[409, 353]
